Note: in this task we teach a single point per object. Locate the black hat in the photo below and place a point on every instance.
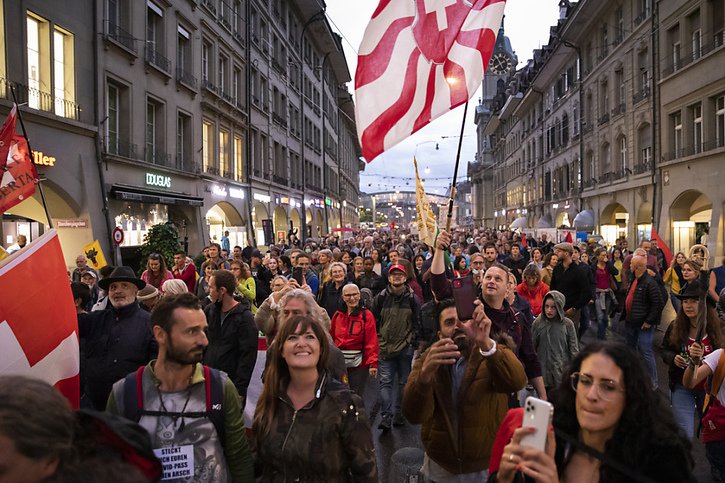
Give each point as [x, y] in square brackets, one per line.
[256, 254]
[122, 274]
[691, 291]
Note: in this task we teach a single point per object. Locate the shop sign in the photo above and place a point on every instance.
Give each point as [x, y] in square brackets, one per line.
[41, 159]
[217, 190]
[262, 198]
[158, 180]
[328, 201]
[236, 193]
[71, 223]
[285, 200]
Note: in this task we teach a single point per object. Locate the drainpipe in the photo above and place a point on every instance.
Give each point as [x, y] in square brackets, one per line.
[248, 148]
[656, 134]
[324, 144]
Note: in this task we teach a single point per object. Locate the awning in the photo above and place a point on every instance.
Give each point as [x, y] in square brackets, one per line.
[519, 223]
[545, 222]
[133, 193]
[584, 220]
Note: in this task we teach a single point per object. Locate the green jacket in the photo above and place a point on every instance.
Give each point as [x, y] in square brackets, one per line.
[329, 440]
[236, 463]
[398, 321]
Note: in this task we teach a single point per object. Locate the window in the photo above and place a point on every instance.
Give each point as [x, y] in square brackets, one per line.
[207, 146]
[697, 127]
[222, 83]
[622, 154]
[153, 132]
[620, 24]
[155, 37]
[606, 159]
[113, 121]
[696, 44]
[677, 134]
[643, 65]
[63, 78]
[205, 52]
[236, 17]
[224, 167]
[183, 141]
[720, 121]
[183, 56]
[694, 29]
[238, 159]
[237, 85]
[621, 89]
[644, 139]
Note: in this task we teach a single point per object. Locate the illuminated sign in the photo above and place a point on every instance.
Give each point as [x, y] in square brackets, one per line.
[40, 159]
[262, 198]
[219, 191]
[236, 193]
[158, 180]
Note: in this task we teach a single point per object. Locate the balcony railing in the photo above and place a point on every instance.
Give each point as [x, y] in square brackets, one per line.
[206, 84]
[213, 170]
[156, 59]
[210, 5]
[185, 77]
[587, 128]
[121, 36]
[279, 179]
[45, 101]
[589, 183]
[618, 110]
[603, 120]
[618, 175]
[640, 18]
[120, 147]
[257, 173]
[605, 178]
[312, 187]
[641, 95]
[156, 156]
[279, 119]
[642, 167]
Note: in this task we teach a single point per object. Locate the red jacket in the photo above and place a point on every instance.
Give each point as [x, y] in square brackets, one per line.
[535, 295]
[188, 275]
[354, 332]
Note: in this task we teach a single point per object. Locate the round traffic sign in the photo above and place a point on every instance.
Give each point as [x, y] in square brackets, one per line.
[117, 235]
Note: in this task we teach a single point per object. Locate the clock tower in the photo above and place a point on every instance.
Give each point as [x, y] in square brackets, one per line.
[501, 68]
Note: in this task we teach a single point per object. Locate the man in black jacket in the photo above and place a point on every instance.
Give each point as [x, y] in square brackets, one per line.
[114, 341]
[643, 307]
[571, 280]
[232, 333]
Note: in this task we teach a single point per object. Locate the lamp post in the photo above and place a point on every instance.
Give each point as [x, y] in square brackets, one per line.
[427, 168]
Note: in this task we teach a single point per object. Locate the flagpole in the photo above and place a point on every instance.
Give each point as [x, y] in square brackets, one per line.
[455, 171]
[30, 151]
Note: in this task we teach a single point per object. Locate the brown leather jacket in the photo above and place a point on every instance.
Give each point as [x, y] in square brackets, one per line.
[460, 439]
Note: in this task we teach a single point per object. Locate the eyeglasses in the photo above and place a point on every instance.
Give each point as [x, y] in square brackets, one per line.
[351, 295]
[154, 256]
[606, 388]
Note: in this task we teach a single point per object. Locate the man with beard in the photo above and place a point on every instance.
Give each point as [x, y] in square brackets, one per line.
[114, 341]
[458, 391]
[490, 253]
[232, 333]
[174, 409]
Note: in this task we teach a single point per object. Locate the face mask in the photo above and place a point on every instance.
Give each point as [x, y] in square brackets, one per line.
[308, 250]
[477, 271]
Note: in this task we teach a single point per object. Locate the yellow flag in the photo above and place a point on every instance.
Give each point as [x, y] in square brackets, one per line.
[427, 225]
[3, 254]
[94, 254]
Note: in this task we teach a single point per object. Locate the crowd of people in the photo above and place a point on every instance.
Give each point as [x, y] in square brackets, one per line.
[297, 334]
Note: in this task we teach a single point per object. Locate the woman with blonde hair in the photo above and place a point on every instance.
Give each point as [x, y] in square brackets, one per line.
[330, 294]
[673, 277]
[307, 425]
[175, 286]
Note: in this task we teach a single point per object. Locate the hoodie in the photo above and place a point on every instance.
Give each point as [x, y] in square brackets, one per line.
[555, 340]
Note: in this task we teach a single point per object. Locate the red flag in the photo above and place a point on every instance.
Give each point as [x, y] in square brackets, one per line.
[38, 324]
[662, 246]
[568, 238]
[17, 171]
[523, 241]
[418, 60]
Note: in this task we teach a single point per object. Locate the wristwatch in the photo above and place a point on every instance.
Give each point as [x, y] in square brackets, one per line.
[489, 352]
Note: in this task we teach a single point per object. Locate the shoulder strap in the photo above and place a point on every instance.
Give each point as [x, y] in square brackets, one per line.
[133, 395]
[214, 400]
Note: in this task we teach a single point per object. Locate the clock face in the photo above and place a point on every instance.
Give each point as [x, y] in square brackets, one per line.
[500, 63]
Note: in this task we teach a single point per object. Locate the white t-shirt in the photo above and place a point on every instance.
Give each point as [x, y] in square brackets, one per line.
[712, 360]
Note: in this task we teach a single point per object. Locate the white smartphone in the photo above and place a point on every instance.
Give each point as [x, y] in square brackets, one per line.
[538, 415]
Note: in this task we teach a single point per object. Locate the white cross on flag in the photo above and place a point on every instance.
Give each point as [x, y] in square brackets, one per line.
[418, 60]
[38, 323]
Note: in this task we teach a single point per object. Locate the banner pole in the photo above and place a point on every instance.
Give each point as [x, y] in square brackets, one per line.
[30, 151]
[455, 171]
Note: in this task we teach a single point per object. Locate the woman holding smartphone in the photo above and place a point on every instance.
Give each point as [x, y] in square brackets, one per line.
[609, 426]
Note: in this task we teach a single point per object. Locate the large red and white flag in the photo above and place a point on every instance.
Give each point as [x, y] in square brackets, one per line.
[38, 323]
[418, 60]
[17, 171]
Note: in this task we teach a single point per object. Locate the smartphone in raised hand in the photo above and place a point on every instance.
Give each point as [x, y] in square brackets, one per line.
[464, 293]
[537, 415]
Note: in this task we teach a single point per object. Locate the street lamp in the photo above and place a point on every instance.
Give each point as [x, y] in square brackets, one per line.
[427, 168]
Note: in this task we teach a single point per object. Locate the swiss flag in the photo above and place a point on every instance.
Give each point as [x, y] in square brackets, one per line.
[17, 171]
[38, 324]
[662, 246]
[418, 60]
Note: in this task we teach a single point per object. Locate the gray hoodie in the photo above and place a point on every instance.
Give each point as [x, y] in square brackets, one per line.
[555, 340]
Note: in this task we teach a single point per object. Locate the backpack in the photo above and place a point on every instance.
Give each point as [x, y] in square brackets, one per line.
[133, 400]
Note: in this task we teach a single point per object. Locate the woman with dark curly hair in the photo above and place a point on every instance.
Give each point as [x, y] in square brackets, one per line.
[609, 426]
